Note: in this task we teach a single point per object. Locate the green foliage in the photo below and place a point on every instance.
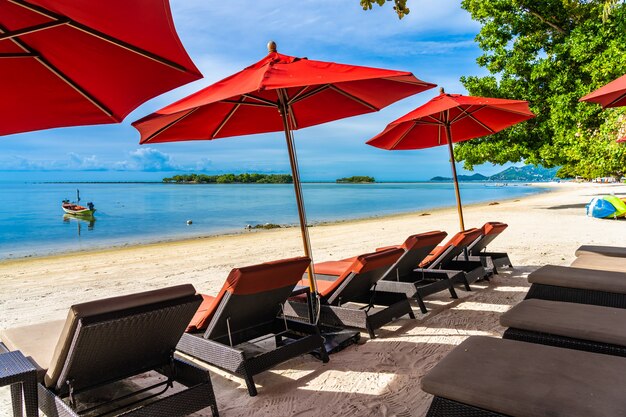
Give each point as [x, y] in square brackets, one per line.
[550, 53]
[355, 179]
[399, 6]
[230, 179]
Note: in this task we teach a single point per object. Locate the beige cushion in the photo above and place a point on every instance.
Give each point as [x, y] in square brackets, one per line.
[601, 250]
[579, 321]
[600, 262]
[525, 379]
[586, 279]
[36, 342]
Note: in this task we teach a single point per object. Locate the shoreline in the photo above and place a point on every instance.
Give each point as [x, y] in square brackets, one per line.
[551, 187]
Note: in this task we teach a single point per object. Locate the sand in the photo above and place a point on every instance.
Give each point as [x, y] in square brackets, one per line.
[380, 377]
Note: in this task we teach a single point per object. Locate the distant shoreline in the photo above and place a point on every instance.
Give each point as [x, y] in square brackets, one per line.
[303, 182]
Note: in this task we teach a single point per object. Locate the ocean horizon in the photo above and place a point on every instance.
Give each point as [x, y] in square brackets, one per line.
[137, 212]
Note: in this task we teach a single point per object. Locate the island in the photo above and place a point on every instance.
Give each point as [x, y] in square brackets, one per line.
[230, 179]
[356, 180]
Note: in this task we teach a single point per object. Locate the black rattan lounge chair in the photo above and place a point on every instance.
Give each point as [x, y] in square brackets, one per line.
[574, 326]
[349, 295]
[578, 285]
[615, 251]
[490, 377]
[229, 329]
[490, 260]
[600, 262]
[446, 257]
[402, 277]
[105, 341]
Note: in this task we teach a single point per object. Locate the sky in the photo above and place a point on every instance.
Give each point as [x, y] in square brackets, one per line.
[435, 42]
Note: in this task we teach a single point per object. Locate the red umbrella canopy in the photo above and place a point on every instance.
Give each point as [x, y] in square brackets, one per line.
[68, 62]
[468, 118]
[621, 140]
[611, 95]
[247, 102]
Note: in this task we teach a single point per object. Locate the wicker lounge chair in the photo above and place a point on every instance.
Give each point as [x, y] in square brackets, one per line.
[109, 340]
[573, 326]
[489, 377]
[490, 260]
[578, 285]
[402, 277]
[446, 257]
[229, 329]
[600, 262]
[349, 295]
[616, 251]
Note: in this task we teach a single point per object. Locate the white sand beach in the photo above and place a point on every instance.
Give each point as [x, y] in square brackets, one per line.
[380, 377]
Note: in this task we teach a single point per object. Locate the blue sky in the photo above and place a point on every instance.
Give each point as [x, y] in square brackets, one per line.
[435, 42]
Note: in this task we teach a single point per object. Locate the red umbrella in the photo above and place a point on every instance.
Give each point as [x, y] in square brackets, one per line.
[279, 93]
[621, 140]
[68, 62]
[611, 95]
[450, 118]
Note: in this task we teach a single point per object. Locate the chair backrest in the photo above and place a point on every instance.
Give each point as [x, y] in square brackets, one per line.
[113, 338]
[489, 232]
[361, 276]
[251, 297]
[416, 248]
[451, 249]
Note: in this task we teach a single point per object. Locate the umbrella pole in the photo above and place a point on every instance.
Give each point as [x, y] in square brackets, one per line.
[454, 176]
[304, 231]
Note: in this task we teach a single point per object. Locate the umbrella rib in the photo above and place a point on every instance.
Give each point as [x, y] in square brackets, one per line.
[471, 116]
[100, 35]
[226, 119]
[167, 126]
[33, 29]
[62, 76]
[302, 90]
[18, 55]
[247, 103]
[403, 135]
[319, 89]
[422, 83]
[616, 100]
[355, 98]
[261, 99]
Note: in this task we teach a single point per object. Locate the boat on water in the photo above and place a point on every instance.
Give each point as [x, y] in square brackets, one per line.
[76, 209]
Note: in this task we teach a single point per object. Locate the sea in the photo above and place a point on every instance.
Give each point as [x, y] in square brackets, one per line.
[32, 222]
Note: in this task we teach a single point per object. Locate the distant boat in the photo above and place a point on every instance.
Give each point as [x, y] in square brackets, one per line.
[76, 209]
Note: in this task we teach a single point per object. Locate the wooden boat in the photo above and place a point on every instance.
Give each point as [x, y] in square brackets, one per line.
[76, 209]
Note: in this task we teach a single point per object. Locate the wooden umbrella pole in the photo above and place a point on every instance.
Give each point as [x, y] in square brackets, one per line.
[306, 242]
[455, 179]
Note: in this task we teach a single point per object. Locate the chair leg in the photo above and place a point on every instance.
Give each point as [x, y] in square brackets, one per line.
[466, 284]
[16, 400]
[370, 331]
[411, 314]
[452, 291]
[420, 303]
[29, 387]
[250, 384]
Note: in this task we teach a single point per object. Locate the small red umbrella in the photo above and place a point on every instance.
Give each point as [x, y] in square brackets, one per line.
[621, 140]
[450, 118]
[279, 93]
[69, 63]
[611, 95]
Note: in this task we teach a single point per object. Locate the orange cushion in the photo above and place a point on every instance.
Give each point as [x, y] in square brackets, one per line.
[461, 239]
[208, 305]
[494, 228]
[332, 267]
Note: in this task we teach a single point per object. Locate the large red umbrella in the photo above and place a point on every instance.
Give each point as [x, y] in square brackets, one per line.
[611, 95]
[69, 63]
[279, 93]
[450, 118]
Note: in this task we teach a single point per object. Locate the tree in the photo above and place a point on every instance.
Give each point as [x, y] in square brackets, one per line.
[399, 6]
[550, 53]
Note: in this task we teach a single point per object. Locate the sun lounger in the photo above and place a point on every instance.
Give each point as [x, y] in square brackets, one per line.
[615, 251]
[349, 295]
[568, 325]
[486, 376]
[228, 330]
[109, 340]
[490, 260]
[445, 257]
[402, 277]
[600, 262]
[578, 285]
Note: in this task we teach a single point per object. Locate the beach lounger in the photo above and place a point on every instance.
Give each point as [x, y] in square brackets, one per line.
[490, 260]
[600, 262]
[402, 277]
[568, 325]
[486, 376]
[578, 285]
[349, 295]
[232, 330]
[445, 257]
[109, 340]
[616, 251]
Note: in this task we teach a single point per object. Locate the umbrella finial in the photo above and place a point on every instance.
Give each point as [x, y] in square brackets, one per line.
[271, 46]
[441, 91]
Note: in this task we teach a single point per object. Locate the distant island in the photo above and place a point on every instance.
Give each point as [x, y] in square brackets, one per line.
[355, 179]
[230, 179]
[527, 173]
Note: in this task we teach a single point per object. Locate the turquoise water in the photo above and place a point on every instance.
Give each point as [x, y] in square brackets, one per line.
[32, 222]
